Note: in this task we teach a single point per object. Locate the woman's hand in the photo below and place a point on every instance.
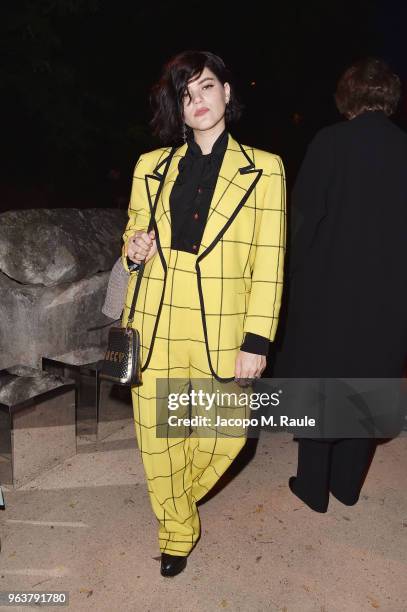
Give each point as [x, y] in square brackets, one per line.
[141, 246]
[248, 366]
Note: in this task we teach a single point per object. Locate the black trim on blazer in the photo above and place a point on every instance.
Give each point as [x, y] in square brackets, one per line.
[157, 168]
[246, 170]
[249, 169]
[159, 177]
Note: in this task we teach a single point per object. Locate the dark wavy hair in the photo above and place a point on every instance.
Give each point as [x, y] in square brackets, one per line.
[167, 94]
[369, 84]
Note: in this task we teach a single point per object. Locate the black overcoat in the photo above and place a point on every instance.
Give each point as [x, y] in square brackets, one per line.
[347, 265]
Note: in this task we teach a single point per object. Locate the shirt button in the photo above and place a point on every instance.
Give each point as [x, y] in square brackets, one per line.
[196, 215]
[199, 189]
[194, 247]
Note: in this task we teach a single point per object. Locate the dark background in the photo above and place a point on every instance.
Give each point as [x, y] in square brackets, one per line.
[75, 77]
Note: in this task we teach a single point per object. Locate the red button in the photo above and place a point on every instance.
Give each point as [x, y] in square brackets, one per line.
[199, 189]
[196, 216]
[194, 247]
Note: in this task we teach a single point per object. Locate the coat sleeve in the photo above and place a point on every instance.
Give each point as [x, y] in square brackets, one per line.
[310, 196]
[267, 273]
[138, 211]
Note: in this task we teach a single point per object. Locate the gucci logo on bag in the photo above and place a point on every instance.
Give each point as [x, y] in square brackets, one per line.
[114, 356]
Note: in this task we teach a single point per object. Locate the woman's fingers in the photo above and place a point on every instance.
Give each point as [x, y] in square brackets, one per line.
[141, 246]
[249, 366]
[141, 241]
[238, 368]
[152, 251]
[144, 240]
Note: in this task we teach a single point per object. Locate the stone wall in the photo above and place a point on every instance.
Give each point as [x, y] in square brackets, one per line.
[54, 270]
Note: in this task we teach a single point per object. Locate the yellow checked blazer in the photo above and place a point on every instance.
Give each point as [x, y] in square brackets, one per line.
[239, 266]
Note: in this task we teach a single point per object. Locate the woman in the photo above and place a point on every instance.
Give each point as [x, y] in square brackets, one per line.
[210, 295]
[347, 298]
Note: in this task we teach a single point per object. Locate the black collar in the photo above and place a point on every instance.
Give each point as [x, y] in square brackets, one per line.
[219, 146]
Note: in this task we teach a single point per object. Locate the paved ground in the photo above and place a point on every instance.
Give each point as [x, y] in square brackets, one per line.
[86, 527]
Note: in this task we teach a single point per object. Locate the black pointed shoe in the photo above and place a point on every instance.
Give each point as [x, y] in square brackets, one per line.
[171, 565]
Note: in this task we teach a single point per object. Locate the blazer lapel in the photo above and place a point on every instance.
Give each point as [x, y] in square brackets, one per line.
[163, 207]
[237, 178]
[162, 213]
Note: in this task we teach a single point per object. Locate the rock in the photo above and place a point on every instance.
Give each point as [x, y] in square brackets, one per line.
[23, 383]
[52, 246]
[38, 321]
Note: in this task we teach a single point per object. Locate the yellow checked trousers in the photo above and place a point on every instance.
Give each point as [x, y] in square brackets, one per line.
[179, 470]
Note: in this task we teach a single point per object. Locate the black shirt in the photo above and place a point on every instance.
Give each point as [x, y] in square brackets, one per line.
[192, 193]
[190, 201]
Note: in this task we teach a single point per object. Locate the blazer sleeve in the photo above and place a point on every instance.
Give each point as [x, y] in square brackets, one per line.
[138, 210]
[267, 273]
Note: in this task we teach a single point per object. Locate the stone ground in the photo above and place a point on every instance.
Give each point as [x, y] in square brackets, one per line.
[86, 527]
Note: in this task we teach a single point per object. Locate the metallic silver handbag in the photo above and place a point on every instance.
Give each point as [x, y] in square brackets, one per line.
[122, 363]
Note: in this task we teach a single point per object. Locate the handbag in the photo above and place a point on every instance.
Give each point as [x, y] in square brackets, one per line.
[122, 360]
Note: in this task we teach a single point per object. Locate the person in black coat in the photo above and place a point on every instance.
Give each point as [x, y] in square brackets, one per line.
[347, 294]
